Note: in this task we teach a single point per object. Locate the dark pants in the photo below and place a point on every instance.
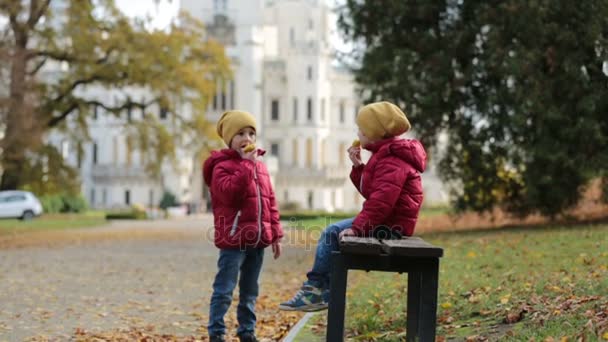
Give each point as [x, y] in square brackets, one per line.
[328, 242]
[230, 262]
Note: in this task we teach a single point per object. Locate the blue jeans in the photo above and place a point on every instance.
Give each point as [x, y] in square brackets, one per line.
[328, 242]
[230, 262]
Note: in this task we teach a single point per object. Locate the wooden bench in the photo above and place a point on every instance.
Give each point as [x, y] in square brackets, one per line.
[416, 257]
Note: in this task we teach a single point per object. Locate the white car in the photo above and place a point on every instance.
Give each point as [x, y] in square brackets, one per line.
[19, 204]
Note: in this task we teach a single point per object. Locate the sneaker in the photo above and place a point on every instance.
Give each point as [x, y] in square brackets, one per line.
[247, 337]
[308, 298]
[217, 338]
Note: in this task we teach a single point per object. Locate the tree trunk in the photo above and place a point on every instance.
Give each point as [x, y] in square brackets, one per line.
[19, 132]
[10, 174]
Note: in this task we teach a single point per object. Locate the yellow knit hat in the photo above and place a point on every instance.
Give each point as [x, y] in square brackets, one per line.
[231, 122]
[381, 120]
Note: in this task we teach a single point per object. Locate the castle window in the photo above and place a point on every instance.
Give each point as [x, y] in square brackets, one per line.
[274, 110]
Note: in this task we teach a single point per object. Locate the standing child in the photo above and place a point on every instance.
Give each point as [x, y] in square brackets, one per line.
[246, 221]
[390, 184]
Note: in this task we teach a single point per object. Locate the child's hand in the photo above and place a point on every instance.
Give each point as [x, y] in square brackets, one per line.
[347, 232]
[276, 249]
[354, 153]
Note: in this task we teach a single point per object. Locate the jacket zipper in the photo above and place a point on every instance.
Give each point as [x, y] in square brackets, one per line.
[235, 224]
[259, 195]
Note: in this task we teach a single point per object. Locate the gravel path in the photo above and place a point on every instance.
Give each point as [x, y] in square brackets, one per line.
[130, 274]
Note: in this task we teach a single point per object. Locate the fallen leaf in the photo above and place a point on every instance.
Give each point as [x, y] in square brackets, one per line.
[514, 317]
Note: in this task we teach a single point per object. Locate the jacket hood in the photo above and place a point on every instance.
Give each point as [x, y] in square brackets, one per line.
[218, 157]
[409, 150]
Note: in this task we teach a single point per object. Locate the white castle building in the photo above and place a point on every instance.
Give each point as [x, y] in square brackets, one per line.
[284, 74]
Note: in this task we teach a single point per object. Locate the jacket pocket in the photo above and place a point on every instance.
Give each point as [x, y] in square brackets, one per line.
[235, 223]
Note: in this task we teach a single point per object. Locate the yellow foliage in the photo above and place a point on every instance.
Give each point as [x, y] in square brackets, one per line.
[446, 305]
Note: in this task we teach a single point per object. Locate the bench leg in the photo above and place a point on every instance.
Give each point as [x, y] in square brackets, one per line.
[428, 306]
[337, 300]
[414, 283]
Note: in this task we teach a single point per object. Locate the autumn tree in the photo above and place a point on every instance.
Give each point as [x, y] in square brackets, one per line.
[519, 87]
[53, 52]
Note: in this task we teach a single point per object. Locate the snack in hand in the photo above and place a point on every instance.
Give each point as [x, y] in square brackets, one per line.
[249, 148]
[356, 143]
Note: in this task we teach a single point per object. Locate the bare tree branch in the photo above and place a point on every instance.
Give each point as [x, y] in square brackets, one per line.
[114, 109]
[57, 119]
[14, 8]
[30, 19]
[15, 26]
[105, 58]
[67, 57]
[89, 80]
[56, 55]
[36, 12]
[37, 67]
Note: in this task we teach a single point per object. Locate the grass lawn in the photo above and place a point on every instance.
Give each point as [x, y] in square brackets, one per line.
[521, 284]
[52, 222]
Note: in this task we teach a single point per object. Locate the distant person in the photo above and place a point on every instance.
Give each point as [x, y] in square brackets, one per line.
[246, 221]
[391, 185]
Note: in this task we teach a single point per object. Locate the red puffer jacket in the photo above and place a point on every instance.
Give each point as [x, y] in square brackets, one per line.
[244, 207]
[391, 185]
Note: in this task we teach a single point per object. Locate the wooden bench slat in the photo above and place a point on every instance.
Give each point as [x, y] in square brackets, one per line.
[410, 247]
[361, 245]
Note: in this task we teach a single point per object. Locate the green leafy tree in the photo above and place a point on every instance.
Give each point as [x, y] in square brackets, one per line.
[519, 87]
[168, 200]
[52, 52]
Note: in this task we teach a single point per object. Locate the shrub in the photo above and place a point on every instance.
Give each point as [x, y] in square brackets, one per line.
[63, 203]
[137, 212]
[168, 200]
[51, 204]
[121, 215]
[74, 204]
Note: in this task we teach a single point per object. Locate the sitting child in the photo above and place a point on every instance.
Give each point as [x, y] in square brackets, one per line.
[390, 182]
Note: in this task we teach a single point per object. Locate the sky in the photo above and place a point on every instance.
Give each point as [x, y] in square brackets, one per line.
[161, 14]
[164, 11]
